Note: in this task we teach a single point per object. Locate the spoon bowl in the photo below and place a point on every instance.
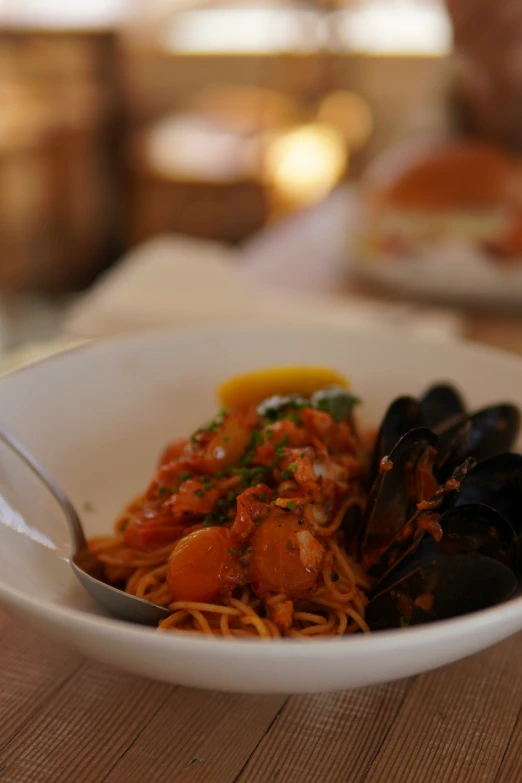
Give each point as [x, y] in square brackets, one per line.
[86, 567]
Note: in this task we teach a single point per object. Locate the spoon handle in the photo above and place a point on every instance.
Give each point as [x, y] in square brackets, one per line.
[73, 520]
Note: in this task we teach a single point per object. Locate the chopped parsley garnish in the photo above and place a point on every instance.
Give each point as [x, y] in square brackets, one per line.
[263, 497]
[285, 474]
[199, 493]
[218, 474]
[226, 438]
[292, 467]
[302, 454]
[250, 549]
[270, 434]
[208, 520]
[335, 401]
[276, 408]
[221, 503]
[231, 496]
[122, 526]
[291, 505]
[404, 621]
[184, 476]
[222, 413]
[175, 489]
[207, 484]
[162, 490]
[232, 551]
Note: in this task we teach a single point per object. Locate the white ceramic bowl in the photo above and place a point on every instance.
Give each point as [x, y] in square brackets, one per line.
[98, 416]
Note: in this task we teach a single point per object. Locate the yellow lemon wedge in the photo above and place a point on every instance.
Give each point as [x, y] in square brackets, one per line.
[252, 387]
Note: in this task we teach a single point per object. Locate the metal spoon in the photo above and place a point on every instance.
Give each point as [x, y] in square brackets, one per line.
[87, 568]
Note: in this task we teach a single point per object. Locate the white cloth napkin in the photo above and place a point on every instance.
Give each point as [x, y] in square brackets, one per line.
[175, 280]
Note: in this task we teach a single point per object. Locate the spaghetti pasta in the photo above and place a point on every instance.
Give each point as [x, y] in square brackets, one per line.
[241, 531]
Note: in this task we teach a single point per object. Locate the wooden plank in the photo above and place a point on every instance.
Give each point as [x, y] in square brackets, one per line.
[326, 737]
[32, 668]
[510, 767]
[84, 729]
[198, 737]
[456, 722]
[5, 620]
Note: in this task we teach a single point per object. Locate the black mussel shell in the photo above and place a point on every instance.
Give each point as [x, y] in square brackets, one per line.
[453, 449]
[409, 536]
[395, 493]
[441, 403]
[440, 590]
[497, 482]
[492, 430]
[469, 568]
[403, 415]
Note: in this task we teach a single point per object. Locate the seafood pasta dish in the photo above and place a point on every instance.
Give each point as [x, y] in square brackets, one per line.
[282, 517]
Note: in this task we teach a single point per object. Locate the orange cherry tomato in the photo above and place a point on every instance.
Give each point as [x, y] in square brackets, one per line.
[228, 445]
[277, 565]
[202, 566]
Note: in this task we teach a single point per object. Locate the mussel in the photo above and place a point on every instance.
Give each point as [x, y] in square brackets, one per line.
[440, 536]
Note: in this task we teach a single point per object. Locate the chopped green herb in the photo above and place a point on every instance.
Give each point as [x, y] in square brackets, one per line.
[122, 526]
[175, 489]
[184, 476]
[221, 503]
[222, 413]
[226, 438]
[232, 551]
[291, 505]
[207, 484]
[275, 408]
[240, 552]
[285, 475]
[257, 438]
[162, 490]
[335, 401]
[302, 454]
[250, 549]
[270, 434]
[208, 519]
[228, 471]
[199, 493]
[292, 467]
[335, 577]
[218, 474]
[263, 497]
[284, 440]
[231, 496]
[404, 621]
[194, 437]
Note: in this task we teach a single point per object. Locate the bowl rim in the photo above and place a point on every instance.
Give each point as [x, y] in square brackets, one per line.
[437, 632]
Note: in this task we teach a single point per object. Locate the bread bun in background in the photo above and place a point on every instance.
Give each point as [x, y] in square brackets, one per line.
[424, 191]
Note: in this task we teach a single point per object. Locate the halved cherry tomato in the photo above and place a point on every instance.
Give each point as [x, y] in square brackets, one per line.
[277, 565]
[204, 565]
